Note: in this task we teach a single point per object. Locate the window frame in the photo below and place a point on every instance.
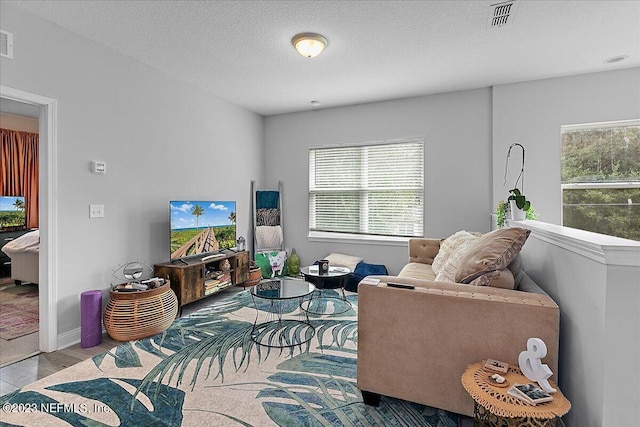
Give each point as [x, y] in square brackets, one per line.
[626, 184]
[363, 238]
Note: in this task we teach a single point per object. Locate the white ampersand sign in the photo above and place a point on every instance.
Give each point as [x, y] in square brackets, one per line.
[531, 364]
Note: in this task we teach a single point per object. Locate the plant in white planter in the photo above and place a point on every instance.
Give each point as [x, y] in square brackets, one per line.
[503, 213]
[519, 204]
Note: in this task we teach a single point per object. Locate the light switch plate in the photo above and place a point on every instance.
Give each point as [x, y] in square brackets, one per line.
[96, 211]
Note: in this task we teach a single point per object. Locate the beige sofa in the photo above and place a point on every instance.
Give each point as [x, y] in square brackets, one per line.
[414, 344]
[24, 252]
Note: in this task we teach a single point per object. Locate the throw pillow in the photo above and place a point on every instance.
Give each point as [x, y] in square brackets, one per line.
[517, 269]
[448, 271]
[268, 217]
[272, 264]
[342, 260]
[447, 247]
[493, 251]
[496, 279]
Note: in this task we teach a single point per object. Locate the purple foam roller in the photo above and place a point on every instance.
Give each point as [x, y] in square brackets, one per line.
[90, 318]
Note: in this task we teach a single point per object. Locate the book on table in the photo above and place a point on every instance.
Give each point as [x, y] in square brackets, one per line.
[529, 393]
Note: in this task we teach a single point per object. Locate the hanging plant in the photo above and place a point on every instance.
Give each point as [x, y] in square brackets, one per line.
[521, 174]
[516, 194]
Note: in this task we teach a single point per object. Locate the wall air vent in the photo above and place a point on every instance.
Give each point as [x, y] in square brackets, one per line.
[6, 44]
[501, 14]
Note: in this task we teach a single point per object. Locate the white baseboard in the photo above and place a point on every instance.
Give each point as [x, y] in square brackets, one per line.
[67, 339]
[72, 337]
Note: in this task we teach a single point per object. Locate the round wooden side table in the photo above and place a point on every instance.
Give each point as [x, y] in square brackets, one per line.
[493, 407]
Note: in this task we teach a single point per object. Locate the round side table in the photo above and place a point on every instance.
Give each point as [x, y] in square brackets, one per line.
[136, 315]
[493, 407]
[275, 330]
[335, 278]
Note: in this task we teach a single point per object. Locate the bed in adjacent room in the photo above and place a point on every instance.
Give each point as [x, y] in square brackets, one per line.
[24, 252]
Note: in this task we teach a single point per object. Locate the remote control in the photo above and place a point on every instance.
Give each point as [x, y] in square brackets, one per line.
[400, 285]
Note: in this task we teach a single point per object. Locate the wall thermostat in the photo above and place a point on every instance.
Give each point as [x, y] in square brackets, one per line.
[98, 168]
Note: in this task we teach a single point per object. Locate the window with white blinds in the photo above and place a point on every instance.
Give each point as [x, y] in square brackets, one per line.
[375, 189]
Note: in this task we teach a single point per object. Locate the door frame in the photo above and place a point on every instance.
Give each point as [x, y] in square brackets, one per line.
[48, 212]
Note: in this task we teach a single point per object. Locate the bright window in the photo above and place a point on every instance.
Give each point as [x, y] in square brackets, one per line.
[370, 189]
[601, 178]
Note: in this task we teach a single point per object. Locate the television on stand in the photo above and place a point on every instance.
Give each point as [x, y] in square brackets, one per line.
[12, 213]
[201, 228]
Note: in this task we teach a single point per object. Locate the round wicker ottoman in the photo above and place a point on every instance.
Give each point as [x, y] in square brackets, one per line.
[135, 315]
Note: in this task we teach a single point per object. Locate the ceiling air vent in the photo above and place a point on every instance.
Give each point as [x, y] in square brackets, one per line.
[6, 44]
[501, 14]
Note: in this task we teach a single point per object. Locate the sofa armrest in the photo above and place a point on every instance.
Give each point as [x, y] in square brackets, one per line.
[415, 344]
[423, 250]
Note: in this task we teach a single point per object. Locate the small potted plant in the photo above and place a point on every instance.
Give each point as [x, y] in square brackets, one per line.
[519, 204]
[503, 213]
[255, 274]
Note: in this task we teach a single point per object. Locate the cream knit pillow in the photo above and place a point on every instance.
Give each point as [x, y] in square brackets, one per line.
[342, 260]
[448, 271]
[447, 247]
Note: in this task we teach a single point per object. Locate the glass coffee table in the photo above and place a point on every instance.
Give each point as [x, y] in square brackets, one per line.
[327, 302]
[280, 322]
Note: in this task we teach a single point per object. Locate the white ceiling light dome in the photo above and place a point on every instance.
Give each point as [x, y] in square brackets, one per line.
[309, 44]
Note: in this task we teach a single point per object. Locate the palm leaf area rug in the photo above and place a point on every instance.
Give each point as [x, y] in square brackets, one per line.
[206, 370]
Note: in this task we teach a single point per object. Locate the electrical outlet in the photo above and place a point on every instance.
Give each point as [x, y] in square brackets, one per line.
[96, 211]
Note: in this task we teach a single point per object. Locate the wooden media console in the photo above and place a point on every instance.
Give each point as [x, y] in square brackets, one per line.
[194, 279]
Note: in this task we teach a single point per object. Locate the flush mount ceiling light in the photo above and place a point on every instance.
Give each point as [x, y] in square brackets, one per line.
[309, 44]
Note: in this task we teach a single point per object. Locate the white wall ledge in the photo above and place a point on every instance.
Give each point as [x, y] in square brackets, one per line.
[605, 249]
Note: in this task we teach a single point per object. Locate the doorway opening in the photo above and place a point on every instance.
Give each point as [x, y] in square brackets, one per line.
[19, 182]
[47, 262]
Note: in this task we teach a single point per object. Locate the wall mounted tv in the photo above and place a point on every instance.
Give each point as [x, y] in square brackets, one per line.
[12, 212]
[199, 227]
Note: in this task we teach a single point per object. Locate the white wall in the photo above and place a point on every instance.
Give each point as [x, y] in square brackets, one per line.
[595, 280]
[457, 131]
[532, 113]
[600, 325]
[161, 139]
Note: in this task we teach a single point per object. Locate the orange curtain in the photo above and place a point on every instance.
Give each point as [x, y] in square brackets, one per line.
[19, 170]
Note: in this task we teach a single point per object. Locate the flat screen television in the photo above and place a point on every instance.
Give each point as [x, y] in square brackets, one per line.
[12, 212]
[199, 227]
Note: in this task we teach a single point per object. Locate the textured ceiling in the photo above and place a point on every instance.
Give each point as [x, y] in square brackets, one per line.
[378, 50]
